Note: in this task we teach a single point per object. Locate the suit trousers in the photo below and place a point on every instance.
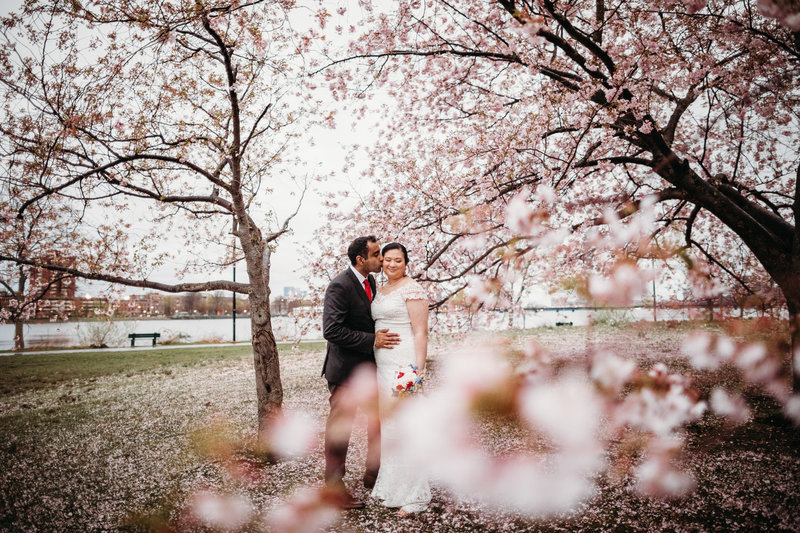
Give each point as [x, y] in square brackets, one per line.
[338, 431]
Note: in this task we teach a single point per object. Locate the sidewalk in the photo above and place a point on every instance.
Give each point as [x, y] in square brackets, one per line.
[148, 347]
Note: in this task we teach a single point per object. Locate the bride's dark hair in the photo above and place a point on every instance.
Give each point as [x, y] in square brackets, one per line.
[395, 246]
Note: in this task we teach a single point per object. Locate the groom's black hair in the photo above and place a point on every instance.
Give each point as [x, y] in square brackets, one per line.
[359, 247]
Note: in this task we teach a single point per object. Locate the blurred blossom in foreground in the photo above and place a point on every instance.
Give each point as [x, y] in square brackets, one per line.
[479, 386]
[754, 361]
[660, 412]
[657, 474]
[792, 409]
[309, 509]
[291, 434]
[572, 419]
[625, 283]
[562, 426]
[636, 228]
[706, 351]
[733, 407]
[483, 291]
[220, 511]
[611, 372]
[523, 217]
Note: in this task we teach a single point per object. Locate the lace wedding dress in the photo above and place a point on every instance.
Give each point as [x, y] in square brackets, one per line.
[399, 484]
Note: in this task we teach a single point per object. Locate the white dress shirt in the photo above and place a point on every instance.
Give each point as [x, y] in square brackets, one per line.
[360, 277]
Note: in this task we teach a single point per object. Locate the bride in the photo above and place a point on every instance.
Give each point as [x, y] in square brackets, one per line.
[401, 306]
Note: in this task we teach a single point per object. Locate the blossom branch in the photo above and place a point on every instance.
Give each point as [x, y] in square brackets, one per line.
[582, 38]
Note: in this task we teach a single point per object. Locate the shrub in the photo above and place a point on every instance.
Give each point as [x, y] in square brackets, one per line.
[104, 333]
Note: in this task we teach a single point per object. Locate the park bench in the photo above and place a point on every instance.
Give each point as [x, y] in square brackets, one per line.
[134, 336]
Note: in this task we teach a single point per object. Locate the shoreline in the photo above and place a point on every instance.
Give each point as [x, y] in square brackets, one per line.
[148, 348]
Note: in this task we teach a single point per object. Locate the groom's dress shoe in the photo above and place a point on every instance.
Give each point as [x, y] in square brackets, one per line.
[369, 480]
[346, 501]
[339, 496]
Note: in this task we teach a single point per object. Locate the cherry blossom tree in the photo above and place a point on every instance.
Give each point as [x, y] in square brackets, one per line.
[159, 123]
[518, 122]
[38, 238]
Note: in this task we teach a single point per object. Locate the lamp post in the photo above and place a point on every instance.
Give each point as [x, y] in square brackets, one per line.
[653, 263]
[234, 292]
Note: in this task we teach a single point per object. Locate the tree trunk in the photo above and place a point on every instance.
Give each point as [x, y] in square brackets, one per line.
[794, 334]
[794, 331]
[19, 339]
[269, 390]
[788, 280]
[19, 334]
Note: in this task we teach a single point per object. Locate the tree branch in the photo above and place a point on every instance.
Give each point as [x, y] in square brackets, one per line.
[241, 288]
[442, 301]
[631, 207]
[494, 56]
[285, 226]
[103, 169]
[772, 222]
[728, 271]
[582, 38]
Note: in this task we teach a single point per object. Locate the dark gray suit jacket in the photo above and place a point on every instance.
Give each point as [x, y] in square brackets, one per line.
[348, 327]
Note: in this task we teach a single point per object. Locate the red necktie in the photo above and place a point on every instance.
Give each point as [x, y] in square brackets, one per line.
[368, 289]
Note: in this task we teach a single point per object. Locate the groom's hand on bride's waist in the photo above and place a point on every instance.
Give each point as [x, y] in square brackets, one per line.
[386, 339]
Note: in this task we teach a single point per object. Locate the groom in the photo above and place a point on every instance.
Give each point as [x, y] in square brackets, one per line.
[348, 327]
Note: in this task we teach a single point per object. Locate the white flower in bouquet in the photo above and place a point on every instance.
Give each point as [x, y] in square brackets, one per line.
[407, 381]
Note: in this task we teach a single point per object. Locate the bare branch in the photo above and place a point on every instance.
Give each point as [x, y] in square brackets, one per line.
[494, 56]
[224, 285]
[727, 270]
[285, 226]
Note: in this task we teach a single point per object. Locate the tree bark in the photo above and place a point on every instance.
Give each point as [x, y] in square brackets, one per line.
[788, 279]
[793, 298]
[269, 390]
[794, 332]
[19, 339]
[19, 333]
[787, 276]
[789, 282]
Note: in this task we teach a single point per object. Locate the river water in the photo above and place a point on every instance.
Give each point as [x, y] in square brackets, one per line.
[65, 334]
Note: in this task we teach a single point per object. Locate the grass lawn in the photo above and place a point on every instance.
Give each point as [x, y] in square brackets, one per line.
[30, 371]
[115, 441]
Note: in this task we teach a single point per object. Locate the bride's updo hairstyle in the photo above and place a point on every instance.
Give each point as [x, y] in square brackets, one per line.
[395, 246]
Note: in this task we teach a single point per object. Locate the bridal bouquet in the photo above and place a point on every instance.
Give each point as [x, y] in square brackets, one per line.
[407, 381]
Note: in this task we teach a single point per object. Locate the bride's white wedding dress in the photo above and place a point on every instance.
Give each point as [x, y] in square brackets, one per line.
[399, 484]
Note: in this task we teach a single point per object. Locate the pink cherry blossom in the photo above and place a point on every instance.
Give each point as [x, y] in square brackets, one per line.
[306, 510]
[611, 372]
[693, 6]
[657, 475]
[220, 511]
[292, 434]
[734, 407]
